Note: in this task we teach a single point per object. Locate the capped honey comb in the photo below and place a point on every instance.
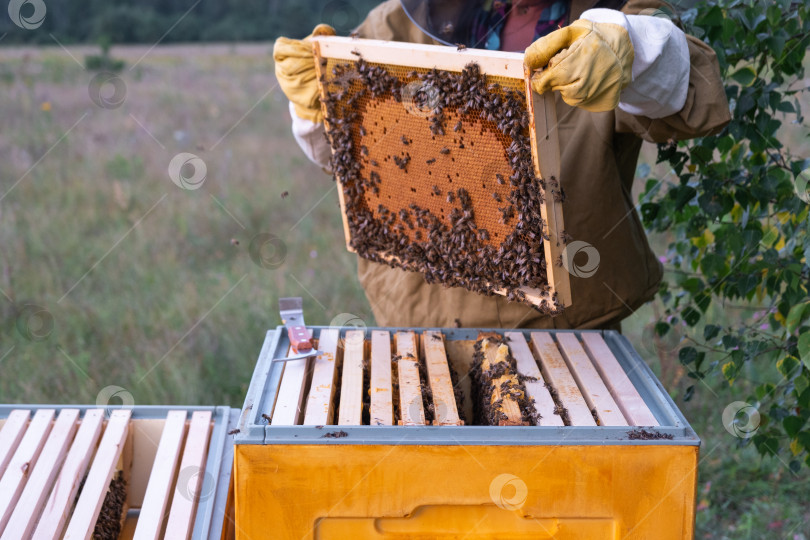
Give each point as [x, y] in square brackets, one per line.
[437, 173]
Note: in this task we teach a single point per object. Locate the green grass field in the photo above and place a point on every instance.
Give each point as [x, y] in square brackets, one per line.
[112, 275]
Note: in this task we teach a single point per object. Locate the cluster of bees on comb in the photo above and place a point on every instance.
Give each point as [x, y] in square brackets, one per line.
[419, 200]
[499, 395]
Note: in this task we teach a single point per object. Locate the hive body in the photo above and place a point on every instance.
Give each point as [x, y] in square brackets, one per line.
[115, 472]
[625, 466]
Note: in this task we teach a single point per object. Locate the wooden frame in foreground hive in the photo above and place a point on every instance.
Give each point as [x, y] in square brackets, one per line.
[405, 60]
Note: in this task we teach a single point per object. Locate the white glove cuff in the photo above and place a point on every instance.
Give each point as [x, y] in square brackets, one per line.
[661, 64]
[311, 137]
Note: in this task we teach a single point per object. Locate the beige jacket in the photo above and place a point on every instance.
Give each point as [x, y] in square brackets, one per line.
[599, 153]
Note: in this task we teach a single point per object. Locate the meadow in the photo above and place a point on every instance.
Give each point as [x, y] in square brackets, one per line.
[115, 280]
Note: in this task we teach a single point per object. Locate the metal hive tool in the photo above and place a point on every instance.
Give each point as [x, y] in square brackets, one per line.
[436, 152]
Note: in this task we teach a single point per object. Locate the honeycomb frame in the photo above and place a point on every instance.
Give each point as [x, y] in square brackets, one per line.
[368, 147]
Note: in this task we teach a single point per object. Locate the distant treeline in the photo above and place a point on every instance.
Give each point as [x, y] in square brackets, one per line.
[147, 21]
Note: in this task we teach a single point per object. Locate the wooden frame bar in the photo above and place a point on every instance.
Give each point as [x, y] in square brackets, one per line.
[496, 63]
[290, 398]
[381, 408]
[55, 513]
[557, 374]
[546, 159]
[590, 382]
[441, 384]
[351, 389]
[29, 505]
[627, 397]
[158, 490]
[19, 467]
[11, 434]
[192, 466]
[535, 389]
[411, 410]
[320, 410]
[98, 479]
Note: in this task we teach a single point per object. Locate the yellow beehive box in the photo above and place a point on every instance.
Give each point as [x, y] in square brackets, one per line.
[607, 455]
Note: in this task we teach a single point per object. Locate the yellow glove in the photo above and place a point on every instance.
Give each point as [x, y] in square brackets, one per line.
[295, 71]
[589, 63]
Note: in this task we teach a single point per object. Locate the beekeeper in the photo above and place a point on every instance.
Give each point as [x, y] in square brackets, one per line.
[622, 73]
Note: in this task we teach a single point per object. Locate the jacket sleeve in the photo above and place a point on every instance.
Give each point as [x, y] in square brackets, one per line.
[705, 111]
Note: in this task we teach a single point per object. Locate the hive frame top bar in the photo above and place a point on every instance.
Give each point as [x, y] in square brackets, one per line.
[503, 64]
[263, 389]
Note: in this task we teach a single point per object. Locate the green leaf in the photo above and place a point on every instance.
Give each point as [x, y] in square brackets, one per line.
[766, 446]
[804, 439]
[691, 316]
[764, 390]
[792, 425]
[729, 372]
[801, 384]
[687, 355]
[745, 76]
[804, 349]
[788, 366]
[689, 392]
[703, 300]
[710, 331]
[795, 316]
